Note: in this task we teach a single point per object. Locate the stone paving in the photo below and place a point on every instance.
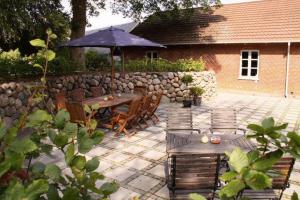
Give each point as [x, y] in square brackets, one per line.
[137, 162]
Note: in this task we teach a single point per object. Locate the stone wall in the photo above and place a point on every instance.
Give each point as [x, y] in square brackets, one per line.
[14, 95]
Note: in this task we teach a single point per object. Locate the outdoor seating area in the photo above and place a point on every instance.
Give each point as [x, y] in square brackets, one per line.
[167, 160]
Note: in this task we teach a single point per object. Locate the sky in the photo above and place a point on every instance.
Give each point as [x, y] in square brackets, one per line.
[106, 18]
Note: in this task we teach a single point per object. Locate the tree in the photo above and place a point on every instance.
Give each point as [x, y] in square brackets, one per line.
[133, 9]
[23, 20]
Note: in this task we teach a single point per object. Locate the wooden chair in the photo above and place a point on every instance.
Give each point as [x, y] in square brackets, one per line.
[77, 94]
[193, 173]
[146, 101]
[284, 166]
[153, 107]
[142, 90]
[77, 113]
[97, 91]
[224, 120]
[128, 119]
[60, 100]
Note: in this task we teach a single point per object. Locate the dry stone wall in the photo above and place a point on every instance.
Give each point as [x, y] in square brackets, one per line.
[14, 95]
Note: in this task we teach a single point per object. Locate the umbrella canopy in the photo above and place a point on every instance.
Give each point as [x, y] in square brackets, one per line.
[111, 37]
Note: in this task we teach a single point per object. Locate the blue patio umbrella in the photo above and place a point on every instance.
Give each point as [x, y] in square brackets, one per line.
[111, 38]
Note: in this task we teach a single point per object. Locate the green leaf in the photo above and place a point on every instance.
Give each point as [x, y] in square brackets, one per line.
[23, 146]
[97, 136]
[281, 127]
[70, 154]
[53, 172]
[268, 123]
[238, 159]
[95, 106]
[38, 66]
[92, 164]
[60, 140]
[295, 137]
[52, 193]
[85, 144]
[49, 55]
[2, 130]
[37, 118]
[16, 160]
[35, 189]
[87, 109]
[228, 176]
[109, 188]
[93, 124]
[78, 162]
[38, 167]
[194, 196]
[232, 188]
[253, 156]
[38, 43]
[71, 129]
[4, 167]
[11, 135]
[266, 162]
[257, 180]
[71, 194]
[61, 118]
[256, 128]
[15, 191]
[295, 196]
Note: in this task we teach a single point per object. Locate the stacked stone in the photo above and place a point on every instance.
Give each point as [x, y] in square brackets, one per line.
[14, 96]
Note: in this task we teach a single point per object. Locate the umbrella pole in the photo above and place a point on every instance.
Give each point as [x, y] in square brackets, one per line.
[112, 69]
[123, 68]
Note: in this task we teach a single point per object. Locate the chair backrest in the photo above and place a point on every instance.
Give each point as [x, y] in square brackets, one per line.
[284, 166]
[134, 106]
[179, 118]
[223, 119]
[60, 100]
[97, 91]
[194, 171]
[155, 102]
[146, 102]
[77, 94]
[76, 110]
[140, 90]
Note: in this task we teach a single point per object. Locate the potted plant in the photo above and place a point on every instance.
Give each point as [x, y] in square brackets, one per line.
[186, 79]
[196, 93]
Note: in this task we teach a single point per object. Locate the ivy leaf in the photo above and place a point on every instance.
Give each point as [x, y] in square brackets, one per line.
[61, 118]
[23, 146]
[257, 180]
[109, 188]
[4, 167]
[238, 159]
[266, 162]
[92, 164]
[37, 118]
[36, 188]
[38, 43]
[70, 153]
[228, 176]
[232, 188]
[268, 123]
[79, 162]
[53, 172]
[49, 55]
[194, 196]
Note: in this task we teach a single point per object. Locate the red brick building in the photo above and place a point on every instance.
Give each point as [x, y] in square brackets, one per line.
[254, 47]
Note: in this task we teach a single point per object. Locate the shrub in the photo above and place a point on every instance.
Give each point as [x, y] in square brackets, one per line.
[196, 91]
[95, 60]
[186, 79]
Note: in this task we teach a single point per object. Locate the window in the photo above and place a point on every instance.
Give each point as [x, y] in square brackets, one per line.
[249, 64]
[151, 55]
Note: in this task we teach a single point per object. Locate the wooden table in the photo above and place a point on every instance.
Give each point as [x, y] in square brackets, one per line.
[124, 99]
[191, 144]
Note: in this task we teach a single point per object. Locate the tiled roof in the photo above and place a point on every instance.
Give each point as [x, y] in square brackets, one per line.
[263, 21]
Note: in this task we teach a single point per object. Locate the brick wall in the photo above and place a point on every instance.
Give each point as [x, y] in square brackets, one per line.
[225, 60]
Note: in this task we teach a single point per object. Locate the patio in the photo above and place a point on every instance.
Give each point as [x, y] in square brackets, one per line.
[137, 162]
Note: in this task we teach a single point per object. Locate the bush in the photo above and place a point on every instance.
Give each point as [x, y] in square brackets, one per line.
[162, 65]
[196, 91]
[95, 60]
[187, 78]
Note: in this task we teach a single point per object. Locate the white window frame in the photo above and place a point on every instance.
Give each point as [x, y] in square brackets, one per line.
[249, 77]
[151, 58]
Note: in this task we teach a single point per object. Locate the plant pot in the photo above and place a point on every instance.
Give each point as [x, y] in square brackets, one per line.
[187, 103]
[197, 100]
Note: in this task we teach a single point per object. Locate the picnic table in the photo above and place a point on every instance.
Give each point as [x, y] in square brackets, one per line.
[191, 144]
[116, 101]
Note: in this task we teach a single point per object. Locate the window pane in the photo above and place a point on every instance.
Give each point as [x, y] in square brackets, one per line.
[148, 54]
[254, 55]
[244, 71]
[154, 54]
[253, 72]
[244, 63]
[245, 54]
[254, 63]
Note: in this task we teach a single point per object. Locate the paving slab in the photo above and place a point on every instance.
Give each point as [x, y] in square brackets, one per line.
[144, 183]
